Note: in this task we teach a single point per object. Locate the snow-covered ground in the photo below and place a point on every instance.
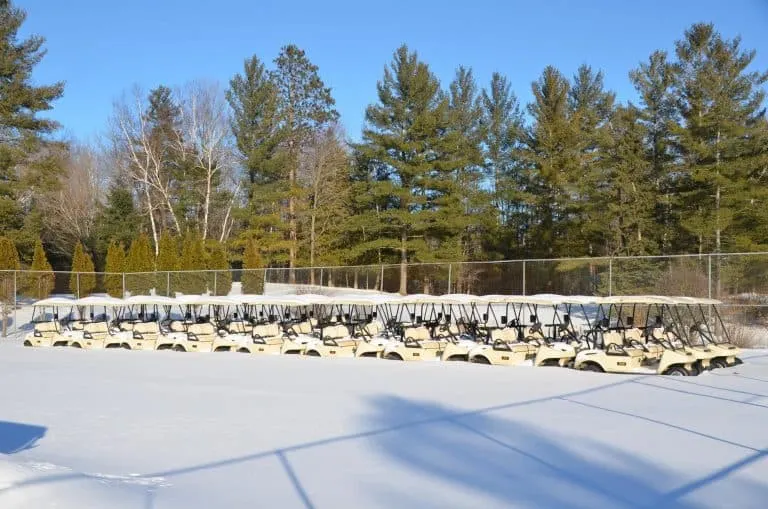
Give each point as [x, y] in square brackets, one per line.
[135, 429]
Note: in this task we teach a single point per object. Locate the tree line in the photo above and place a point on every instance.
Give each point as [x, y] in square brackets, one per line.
[261, 168]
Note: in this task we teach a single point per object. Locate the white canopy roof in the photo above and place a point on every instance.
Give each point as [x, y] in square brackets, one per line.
[459, 298]
[636, 299]
[695, 301]
[149, 300]
[516, 299]
[99, 300]
[203, 300]
[55, 302]
[314, 298]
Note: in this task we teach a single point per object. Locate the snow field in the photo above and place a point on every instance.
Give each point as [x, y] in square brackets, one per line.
[165, 430]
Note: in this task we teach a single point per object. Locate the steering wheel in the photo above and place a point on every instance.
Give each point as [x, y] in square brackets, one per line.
[613, 347]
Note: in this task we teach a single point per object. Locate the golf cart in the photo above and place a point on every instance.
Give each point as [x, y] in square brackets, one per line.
[93, 331]
[45, 319]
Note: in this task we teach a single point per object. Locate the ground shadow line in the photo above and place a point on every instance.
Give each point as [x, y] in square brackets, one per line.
[700, 395]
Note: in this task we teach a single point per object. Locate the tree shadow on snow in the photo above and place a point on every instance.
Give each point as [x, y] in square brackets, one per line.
[16, 437]
[515, 464]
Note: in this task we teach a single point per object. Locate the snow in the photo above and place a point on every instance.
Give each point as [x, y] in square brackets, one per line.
[162, 430]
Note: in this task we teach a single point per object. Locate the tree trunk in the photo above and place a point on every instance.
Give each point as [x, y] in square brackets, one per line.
[312, 248]
[152, 220]
[403, 262]
[206, 204]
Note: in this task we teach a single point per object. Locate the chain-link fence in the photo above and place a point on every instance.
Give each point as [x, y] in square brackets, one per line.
[738, 279]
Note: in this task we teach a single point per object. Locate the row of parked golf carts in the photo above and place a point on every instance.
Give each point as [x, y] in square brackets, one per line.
[620, 334]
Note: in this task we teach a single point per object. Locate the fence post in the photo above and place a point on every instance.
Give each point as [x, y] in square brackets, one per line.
[264, 288]
[15, 289]
[77, 274]
[709, 276]
[123, 284]
[168, 283]
[523, 277]
[450, 265]
[610, 276]
[215, 281]
[382, 278]
[321, 276]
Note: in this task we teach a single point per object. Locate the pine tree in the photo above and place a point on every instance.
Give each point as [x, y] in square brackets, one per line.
[118, 221]
[503, 129]
[252, 280]
[221, 282]
[9, 260]
[24, 133]
[82, 281]
[410, 156]
[253, 97]
[193, 260]
[39, 283]
[653, 81]
[720, 104]
[167, 263]
[140, 260]
[305, 107]
[115, 267]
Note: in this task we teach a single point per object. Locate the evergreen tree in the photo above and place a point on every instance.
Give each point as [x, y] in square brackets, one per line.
[118, 221]
[23, 139]
[9, 260]
[39, 283]
[410, 155]
[167, 261]
[252, 280]
[503, 129]
[305, 107]
[720, 104]
[551, 151]
[653, 81]
[221, 283]
[194, 261]
[115, 266]
[253, 97]
[140, 265]
[82, 281]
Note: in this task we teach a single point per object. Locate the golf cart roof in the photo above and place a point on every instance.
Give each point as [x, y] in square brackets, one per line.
[459, 298]
[99, 300]
[150, 300]
[203, 300]
[694, 301]
[252, 299]
[636, 299]
[515, 299]
[284, 300]
[551, 299]
[55, 302]
[416, 298]
[313, 298]
[355, 299]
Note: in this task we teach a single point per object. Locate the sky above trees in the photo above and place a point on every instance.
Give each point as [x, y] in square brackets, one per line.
[102, 48]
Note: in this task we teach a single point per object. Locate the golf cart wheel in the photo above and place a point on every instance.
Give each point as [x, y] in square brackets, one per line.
[313, 353]
[718, 363]
[392, 356]
[76, 345]
[126, 346]
[454, 358]
[677, 371]
[179, 348]
[591, 366]
[244, 350]
[27, 343]
[481, 359]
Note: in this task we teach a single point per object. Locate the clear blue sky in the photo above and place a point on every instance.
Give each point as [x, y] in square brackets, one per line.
[102, 47]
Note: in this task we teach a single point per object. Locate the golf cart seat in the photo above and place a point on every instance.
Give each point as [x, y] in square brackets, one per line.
[508, 337]
[506, 334]
[239, 327]
[446, 330]
[612, 338]
[267, 334]
[46, 329]
[371, 329]
[304, 327]
[337, 335]
[201, 332]
[420, 336]
[96, 330]
[176, 326]
[635, 334]
[146, 330]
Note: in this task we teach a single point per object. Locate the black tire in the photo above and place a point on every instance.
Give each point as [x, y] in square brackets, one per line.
[27, 343]
[677, 371]
[481, 359]
[313, 353]
[179, 348]
[454, 358]
[392, 356]
[222, 349]
[718, 363]
[591, 366]
[244, 350]
[126, 346]
[76, 345]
